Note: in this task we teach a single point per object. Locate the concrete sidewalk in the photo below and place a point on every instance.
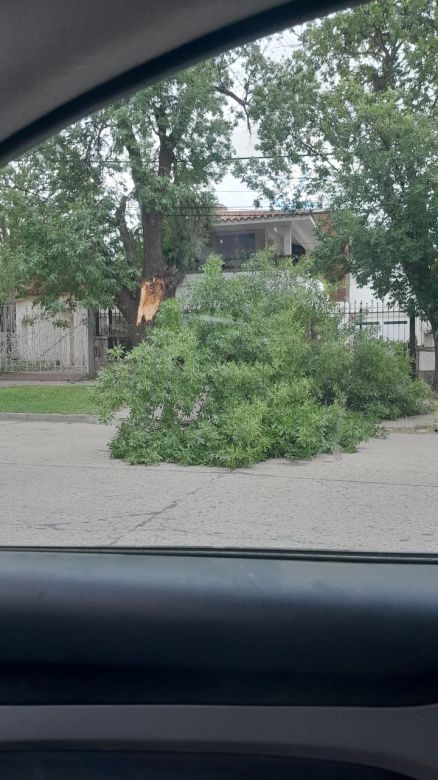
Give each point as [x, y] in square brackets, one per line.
[45, 417]
[43, 382]
[418, 422]
[58, 486]
[60, 377]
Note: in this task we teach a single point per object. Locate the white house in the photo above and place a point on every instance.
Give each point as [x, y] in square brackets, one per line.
[238, 234]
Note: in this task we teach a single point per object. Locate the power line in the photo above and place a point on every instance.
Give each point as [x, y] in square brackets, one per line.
[290, 156]
[324, 156]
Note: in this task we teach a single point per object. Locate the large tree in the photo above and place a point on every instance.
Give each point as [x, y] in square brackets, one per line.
[350, 119]
[116, 207]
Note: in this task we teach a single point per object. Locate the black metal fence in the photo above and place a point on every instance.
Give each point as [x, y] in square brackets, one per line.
[379, 318]
[111, 330]
[384, 321]
[112, 324]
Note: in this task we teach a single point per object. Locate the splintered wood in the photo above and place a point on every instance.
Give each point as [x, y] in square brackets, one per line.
[151, 295]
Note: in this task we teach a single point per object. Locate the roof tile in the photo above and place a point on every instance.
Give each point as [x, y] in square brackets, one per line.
[255, 215]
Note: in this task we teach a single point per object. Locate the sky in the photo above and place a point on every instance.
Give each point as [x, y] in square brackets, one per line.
[231, 192]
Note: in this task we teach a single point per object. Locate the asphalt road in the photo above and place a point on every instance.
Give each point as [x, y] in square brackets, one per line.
[58, 486]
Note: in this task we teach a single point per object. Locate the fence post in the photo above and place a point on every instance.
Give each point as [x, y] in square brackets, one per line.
[412, 346]
[91, 330]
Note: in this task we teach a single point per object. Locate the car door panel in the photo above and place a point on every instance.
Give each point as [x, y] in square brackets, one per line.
[329, 660]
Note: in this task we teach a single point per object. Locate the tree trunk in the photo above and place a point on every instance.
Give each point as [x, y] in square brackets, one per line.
[154, 263]
[435, 374]
[127, 303]
[434, 326]
[136, 306]
[158, 281]
[412, 346]
[153, 283]
[138, 333]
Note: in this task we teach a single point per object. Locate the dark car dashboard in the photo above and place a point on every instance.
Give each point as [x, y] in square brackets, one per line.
[203, 659]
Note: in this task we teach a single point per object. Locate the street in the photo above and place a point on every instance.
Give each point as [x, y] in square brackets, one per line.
[58, 486]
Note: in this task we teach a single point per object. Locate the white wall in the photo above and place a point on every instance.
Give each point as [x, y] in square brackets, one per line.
[41, 343]
[390, 323]
[364, 295]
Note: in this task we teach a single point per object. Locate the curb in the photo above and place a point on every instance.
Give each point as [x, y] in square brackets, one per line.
[34, 417]
[415, 424]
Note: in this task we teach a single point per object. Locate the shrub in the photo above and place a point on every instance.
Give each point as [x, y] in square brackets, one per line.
[380, 380]
[259, 366]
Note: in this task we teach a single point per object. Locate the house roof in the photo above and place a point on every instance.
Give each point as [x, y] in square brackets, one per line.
[225, 216]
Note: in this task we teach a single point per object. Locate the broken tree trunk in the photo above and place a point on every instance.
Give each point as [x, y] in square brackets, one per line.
[434, 326]
[151, 294]
[158, 281]
[153, 283]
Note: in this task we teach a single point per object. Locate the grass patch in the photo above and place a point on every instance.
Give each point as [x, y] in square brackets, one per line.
[46, 399]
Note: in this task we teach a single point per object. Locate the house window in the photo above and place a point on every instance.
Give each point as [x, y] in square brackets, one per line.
[233, 247]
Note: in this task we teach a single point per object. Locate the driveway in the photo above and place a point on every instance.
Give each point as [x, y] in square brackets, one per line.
[58, 486]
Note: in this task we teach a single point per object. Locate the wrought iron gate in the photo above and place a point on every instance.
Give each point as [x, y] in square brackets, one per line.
[33, 341]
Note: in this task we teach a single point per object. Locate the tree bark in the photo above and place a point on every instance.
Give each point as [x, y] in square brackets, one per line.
[412, 346]
[154, 263]
[127, 304]
[157, 280]
[434, 326]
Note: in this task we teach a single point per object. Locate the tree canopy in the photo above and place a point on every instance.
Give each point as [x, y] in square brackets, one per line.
[349, 120]
[116, 207]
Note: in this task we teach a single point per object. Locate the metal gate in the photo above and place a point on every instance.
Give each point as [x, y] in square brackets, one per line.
[111, 330]
[31, 340]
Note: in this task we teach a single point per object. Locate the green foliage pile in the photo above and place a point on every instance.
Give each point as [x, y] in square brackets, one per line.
[259, 366]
